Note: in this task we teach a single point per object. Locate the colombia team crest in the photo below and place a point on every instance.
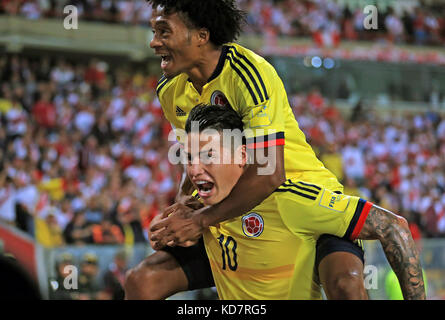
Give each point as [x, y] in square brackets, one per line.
[218, 98]
[253, 225]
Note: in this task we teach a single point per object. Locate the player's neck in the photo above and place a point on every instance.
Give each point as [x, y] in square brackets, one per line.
[204, 68]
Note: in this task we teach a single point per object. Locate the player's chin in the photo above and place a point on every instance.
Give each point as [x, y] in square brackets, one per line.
[169, 73]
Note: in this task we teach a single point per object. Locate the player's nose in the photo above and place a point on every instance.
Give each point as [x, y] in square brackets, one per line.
[195, 168]
[155, 42]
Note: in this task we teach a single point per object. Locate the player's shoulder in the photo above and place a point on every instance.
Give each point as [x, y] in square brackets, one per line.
[165, 83]
[251, 59]
[238, 50]
[254, 73]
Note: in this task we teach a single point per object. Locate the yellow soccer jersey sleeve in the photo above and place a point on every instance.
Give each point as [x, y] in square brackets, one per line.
[250, 85]
[309, 210]
[312, 210]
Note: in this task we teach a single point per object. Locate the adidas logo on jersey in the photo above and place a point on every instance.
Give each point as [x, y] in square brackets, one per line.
[180, 112]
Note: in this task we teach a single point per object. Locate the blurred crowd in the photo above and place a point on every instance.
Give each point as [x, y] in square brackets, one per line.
[86, 281]
[110, 11]
[328, 23]
[396, 160]
[83, 151]
[324, 20]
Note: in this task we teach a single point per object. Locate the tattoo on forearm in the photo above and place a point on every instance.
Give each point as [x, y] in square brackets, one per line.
[399, 247]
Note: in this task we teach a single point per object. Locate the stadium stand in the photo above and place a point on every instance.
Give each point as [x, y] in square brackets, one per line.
[401, 21]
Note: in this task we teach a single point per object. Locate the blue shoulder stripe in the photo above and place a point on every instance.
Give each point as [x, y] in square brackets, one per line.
[238, 62]
[162, 82]
[240, 74]
[254, 70]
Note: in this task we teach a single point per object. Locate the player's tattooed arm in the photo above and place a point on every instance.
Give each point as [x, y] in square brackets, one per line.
[393, 233]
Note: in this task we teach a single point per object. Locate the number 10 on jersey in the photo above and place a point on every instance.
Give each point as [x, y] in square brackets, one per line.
[228, 252]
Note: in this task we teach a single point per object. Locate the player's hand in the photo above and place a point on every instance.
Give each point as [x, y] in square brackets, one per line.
[180, 227]
[154, 244]
[157, 245]
[189, 201]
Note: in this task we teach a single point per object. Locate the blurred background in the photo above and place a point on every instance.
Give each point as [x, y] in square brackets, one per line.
[83, 157]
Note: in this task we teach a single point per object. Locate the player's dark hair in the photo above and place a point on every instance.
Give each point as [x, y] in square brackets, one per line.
[214, 117]
[222, 18]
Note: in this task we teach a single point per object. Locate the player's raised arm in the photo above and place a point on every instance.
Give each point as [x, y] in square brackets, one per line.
[393, 233]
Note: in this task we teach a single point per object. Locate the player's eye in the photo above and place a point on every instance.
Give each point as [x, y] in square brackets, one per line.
[208, 157]
[162, 32]
[210, 153]
[157, 31]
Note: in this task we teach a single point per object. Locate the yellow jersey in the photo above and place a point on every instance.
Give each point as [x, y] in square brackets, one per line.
[250, 85]
[252, 257]
[269, 253]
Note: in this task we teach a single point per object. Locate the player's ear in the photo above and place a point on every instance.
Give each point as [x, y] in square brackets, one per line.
[242, 151]
[203, 36]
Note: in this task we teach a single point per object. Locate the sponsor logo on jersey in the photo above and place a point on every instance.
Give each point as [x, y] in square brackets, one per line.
[334, 201]
[253, 225]
[259, 117]
[218, 98]
[180, 112]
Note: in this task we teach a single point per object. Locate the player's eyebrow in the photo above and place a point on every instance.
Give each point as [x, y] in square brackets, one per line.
[160, 23]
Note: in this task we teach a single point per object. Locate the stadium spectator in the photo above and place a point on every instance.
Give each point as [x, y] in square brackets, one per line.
[48, 232]
[58, 289]
[44, 112]
[7, 200]
[354, 161]
[89, 288]
[107, 233]
[114, 277]
[420, 28]
[77, 231]
[394, 26]
[130, 223]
